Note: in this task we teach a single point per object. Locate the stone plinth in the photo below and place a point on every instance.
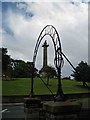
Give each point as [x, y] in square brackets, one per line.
[62, 110]
[31, 108]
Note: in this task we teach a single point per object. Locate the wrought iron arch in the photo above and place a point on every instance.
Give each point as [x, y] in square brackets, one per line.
[52, 32]
[58, 60]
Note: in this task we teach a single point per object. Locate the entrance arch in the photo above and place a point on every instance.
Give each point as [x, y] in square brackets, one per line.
[58, 59]
[52, 32]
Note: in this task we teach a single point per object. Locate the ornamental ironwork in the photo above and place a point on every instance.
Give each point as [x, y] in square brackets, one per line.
[58, 59]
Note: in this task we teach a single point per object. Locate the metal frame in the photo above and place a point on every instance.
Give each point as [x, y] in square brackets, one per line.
[58, 60]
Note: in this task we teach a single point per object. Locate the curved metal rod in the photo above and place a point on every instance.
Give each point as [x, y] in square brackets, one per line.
[52, 32]
[41, 37]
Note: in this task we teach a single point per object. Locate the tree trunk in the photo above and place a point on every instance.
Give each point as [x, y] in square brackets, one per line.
[47, 80]
[84, 83]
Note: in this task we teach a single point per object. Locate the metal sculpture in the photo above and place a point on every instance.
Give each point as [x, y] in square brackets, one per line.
[58, 60]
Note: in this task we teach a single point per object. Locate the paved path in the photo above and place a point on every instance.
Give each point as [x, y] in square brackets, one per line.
[13, 111]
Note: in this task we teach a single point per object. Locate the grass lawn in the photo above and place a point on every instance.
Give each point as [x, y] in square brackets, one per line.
[21, 86]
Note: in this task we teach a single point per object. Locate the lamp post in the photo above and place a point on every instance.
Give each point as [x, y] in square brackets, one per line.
[32, 80]
[59, 64]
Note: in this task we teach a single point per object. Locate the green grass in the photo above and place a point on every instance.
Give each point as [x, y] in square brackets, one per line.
[21, 86]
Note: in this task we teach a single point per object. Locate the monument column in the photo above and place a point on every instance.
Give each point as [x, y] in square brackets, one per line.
[45, 53]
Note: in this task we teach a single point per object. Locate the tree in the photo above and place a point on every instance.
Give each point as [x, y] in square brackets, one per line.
[6, 66]
[30, 69]
[15, 68]
[19, 68]
[22, 69]
[82, 73]
[49, 72]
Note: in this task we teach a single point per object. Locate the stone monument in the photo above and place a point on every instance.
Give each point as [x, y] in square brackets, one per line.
[45, 46]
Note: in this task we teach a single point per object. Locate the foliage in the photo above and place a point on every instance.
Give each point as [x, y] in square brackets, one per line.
[22, 69]
[66, 78]
[82, 72]
[15, 68]
[19, 68]
[49, 70]
[6, 66]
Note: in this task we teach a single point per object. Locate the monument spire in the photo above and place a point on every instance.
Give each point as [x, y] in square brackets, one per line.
[45, 45]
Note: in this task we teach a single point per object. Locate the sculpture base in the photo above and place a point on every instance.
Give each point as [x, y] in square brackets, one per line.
[31, 108]
[62, 110]
[59, 97]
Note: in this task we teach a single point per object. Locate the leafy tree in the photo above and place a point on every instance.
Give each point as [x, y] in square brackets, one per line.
[6, 66]
[82, 73]
[19, 68]
[49, 72]
[15, 68]
[22, 69]
[30, 69]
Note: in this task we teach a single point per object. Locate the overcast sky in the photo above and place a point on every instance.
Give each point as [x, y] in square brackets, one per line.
[22, 23]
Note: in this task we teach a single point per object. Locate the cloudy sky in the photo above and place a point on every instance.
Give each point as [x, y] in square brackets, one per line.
[22, 23]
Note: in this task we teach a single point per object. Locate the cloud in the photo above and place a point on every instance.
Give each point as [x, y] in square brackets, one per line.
[71, 22]
[45, 1]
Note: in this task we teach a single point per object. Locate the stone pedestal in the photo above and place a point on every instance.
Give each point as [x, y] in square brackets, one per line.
[67, 110]
[32, 108]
